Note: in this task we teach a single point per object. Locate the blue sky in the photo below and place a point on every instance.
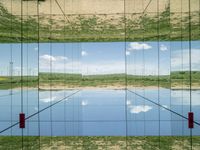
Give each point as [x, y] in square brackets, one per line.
[101, 58]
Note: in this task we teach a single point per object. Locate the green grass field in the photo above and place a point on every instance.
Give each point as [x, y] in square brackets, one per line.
[100, 142]
[176, 80]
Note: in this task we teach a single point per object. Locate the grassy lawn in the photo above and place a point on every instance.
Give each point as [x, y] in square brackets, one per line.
[99, 142]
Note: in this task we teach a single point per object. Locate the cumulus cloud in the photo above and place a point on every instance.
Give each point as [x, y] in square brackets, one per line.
[84, 53]
[163, 47]
[139, 109]
[139, 46]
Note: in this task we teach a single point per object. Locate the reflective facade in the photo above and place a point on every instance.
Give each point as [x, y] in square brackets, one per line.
[91, 74]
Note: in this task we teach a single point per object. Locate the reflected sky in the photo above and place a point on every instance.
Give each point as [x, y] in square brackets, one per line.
[100, 112]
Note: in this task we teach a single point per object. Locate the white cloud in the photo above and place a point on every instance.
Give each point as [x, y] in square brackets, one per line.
[84, 103]
[48, 99]
[127, 53]
[59, 64]
[139, 109]
[52, 58]
[47, 58]
[51, 96]
[163, 107]
[84, 53]
[138, 46]
[60, 58]
[163, 47]
[128, 102]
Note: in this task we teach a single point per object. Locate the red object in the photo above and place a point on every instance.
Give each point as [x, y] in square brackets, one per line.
[190, 120]
[22, 120]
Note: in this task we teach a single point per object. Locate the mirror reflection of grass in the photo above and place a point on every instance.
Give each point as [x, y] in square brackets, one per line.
[98, 28]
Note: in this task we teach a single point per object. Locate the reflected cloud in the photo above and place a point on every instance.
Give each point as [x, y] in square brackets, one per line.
[127, 53]
[139, 109]
[165, 106]
[46, 96]
[48, 99]
[163, 47]
[128, 102]
[84, 103]
[84, 53]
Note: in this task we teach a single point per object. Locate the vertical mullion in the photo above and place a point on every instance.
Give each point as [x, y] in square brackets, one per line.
[190, 66]
[38, 69]
[22, 66]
